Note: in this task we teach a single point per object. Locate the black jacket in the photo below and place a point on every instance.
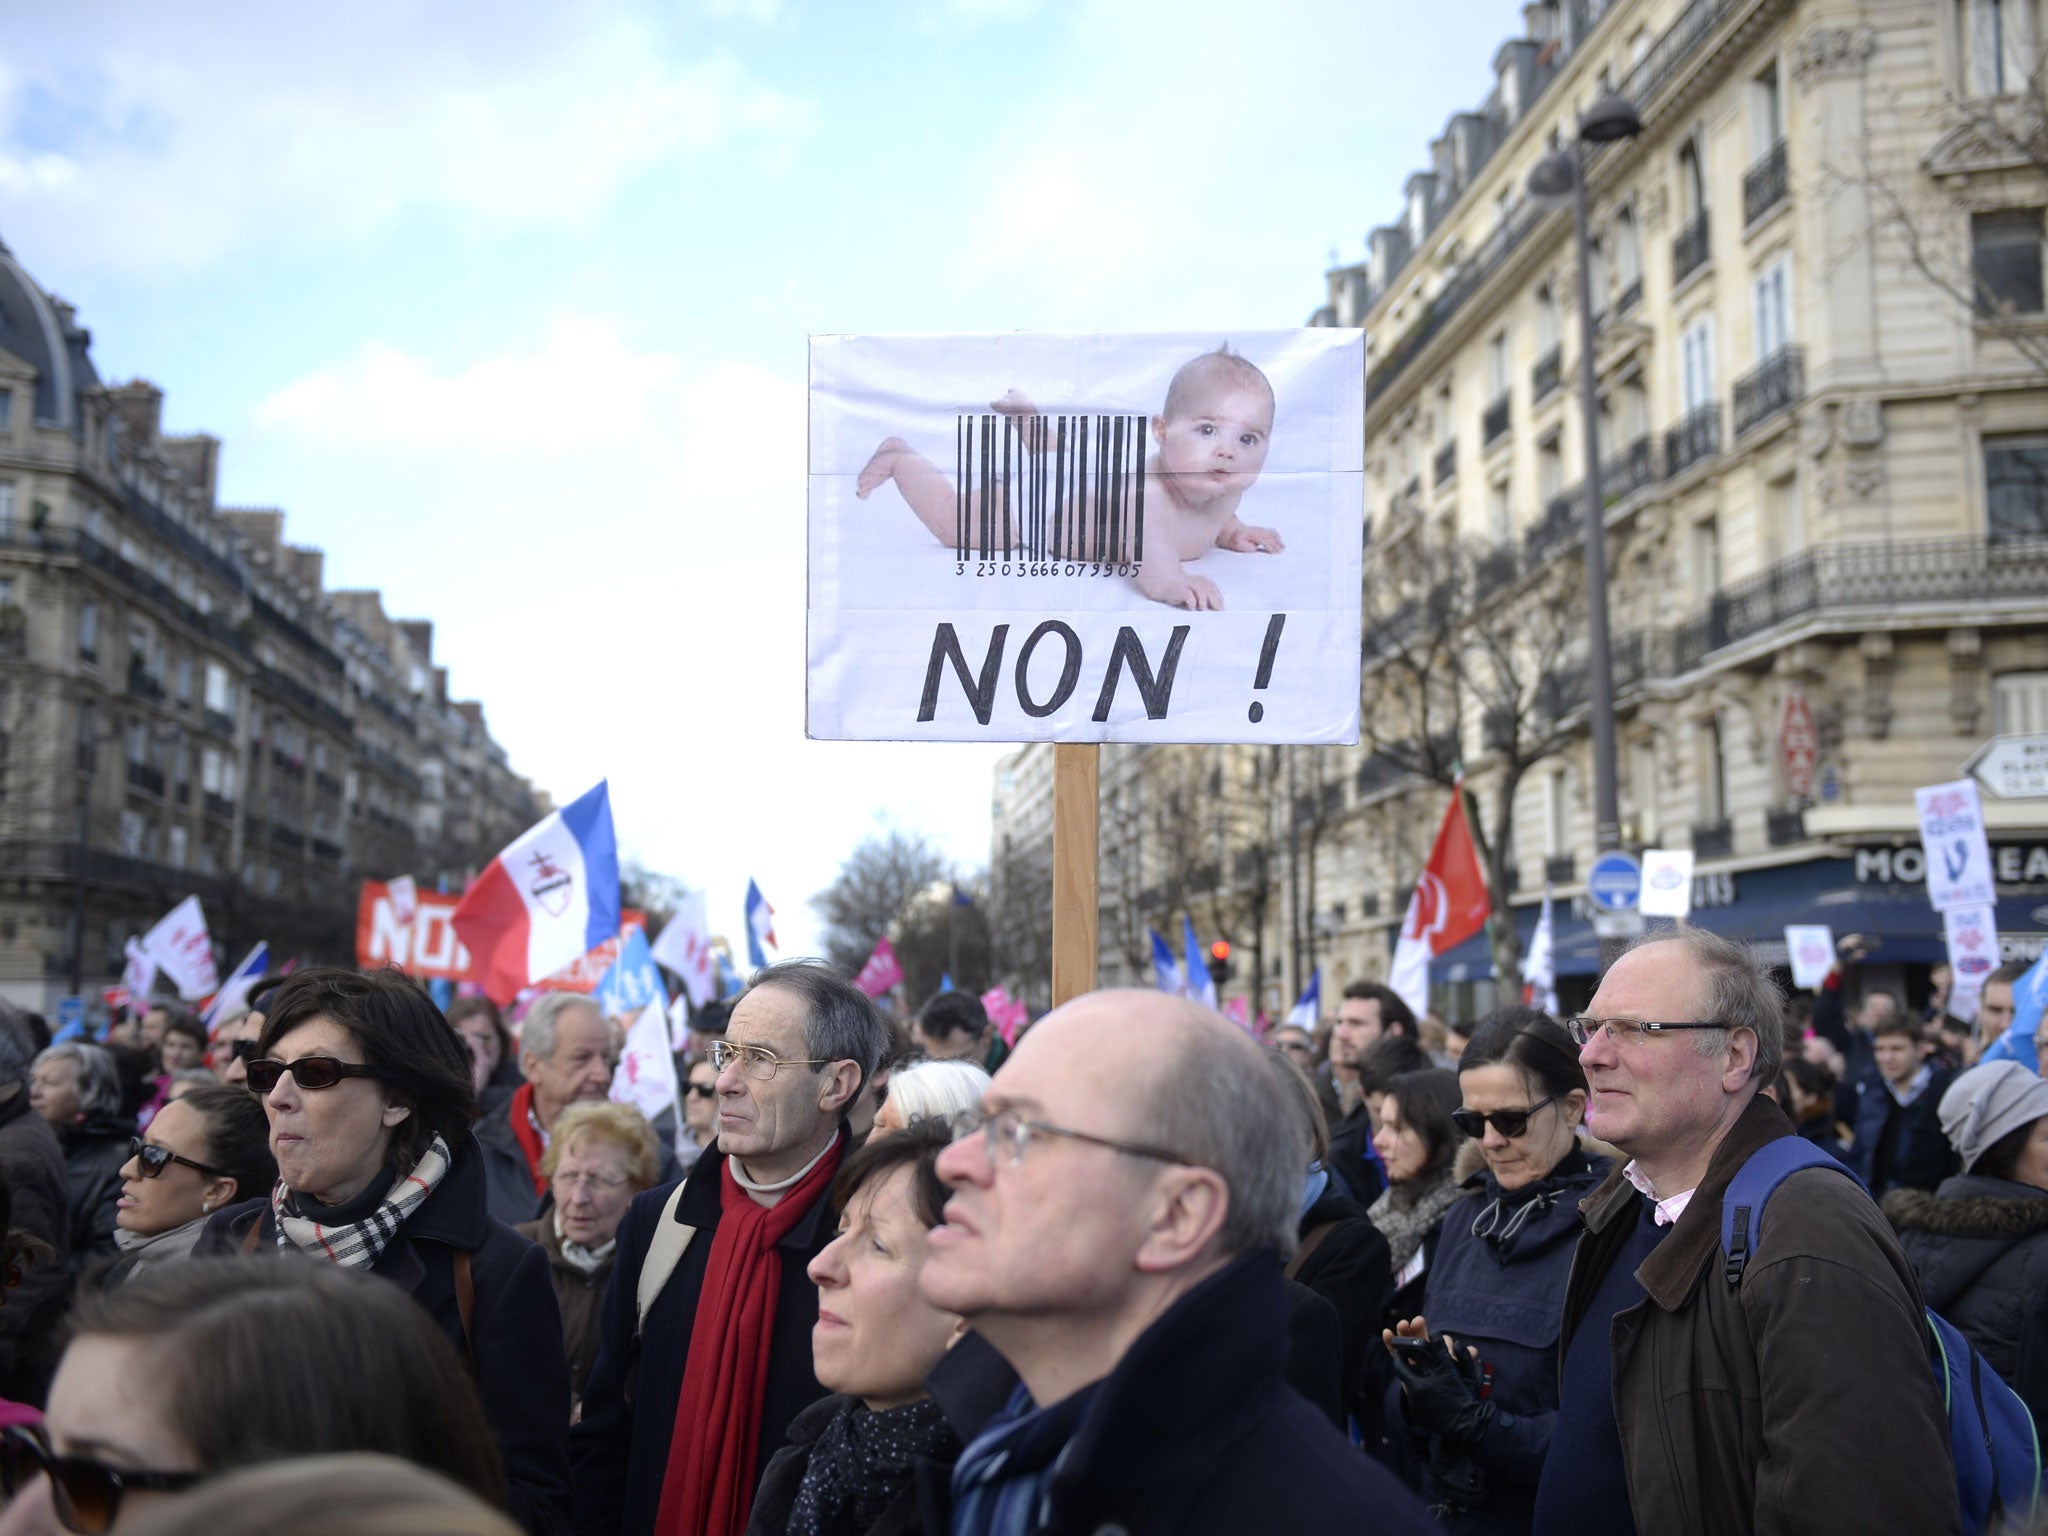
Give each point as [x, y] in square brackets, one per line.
[1920, 1155]
[1351, 1269]
[1979, 1248]
[94, 1154]
[1353, 1157]
[783, 1477]
[516, 1330]
[32, 1166]
[1194, 1433]
[619, 1450]
[508, 1182]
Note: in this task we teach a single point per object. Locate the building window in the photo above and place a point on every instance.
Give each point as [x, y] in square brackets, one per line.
[1998, 45]
[1766, 113]
[2019, 703]
[6, 410]
[1692, 183]
[1696, 365]
[1785, 518]
[1706, 558]
[88, 631]
[1713, 770]
[1628, 257]
[1771, 302]
[1556, 834]
[2005, 258]
[1500, 512]
[2016, 487]
[220, 690]
[1642, 783]
[1497, 365]
[183, 674]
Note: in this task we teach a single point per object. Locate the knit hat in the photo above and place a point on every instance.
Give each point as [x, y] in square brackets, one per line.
[1988, 1102]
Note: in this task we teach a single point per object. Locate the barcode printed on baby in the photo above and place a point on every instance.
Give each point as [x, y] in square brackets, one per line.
[1048, 488]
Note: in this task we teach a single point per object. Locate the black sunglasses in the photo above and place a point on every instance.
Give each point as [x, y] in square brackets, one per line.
[237, 1050]
[703, 1090]
[86, 1492]
[309, 1072]
[1509, 1122]
[152, 1159]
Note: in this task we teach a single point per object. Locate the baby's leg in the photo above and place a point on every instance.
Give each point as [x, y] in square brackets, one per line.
[927, 490]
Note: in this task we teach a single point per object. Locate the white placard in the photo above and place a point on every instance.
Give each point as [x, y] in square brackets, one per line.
[1972, 956]
[1952, 838]
[1811, 948]
[1667, 882]
[1086, 538]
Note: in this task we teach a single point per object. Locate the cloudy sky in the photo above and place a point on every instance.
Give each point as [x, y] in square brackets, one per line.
[506, 305]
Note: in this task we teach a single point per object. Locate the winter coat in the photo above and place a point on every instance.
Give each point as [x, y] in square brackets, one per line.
[32, 1166]
[1352, 1270]
[1193, 1433]
[515, 1329]
[1504, 1294]
[619, 1450]
[1921, 1155]
[1804, 1389]
[1980, 1249]
[1354, 1159]
[783, 1479]
[94, 1154]
[579, 1295]
[508, 1182]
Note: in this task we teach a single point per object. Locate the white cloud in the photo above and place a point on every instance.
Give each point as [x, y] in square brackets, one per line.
[583, 388]
[128, 148]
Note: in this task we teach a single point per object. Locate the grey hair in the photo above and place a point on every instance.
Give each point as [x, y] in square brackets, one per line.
[1218, 1103]
[1739, 994]
[841, 1022]
[99, 1080]
[544, 1017]
[17, 1044]
[937, 1090]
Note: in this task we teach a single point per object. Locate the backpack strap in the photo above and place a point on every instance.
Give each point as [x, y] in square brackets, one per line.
[665, 1251]
[1309, 1245]
[1742, 1207]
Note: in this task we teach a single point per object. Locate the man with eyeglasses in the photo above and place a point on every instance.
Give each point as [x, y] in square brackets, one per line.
[706, 1349]
[1122, 1203]
[1796, 1396]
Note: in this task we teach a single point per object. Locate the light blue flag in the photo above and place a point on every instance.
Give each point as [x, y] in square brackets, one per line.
[632, 982]
[1171, 977]
[2029, 1000]
[1201, 986]
[729, 983]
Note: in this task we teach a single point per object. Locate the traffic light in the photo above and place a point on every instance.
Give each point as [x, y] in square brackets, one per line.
[1219, 961]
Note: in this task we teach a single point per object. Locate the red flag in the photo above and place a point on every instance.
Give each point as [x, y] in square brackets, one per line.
[1450, 904]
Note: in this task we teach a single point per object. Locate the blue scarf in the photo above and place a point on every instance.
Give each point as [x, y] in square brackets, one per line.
[1001, 1481]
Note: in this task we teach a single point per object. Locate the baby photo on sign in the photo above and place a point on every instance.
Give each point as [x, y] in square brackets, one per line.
[1040, 477]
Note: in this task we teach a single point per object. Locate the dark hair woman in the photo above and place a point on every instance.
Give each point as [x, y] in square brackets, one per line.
[204, 1151]
[1481, 1423]
[848, 1467]
[494, 1064]
[1417, 1143]
[202, 1367]
[370, 1102]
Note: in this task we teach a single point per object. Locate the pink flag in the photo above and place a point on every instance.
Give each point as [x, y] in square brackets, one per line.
[881, 972]
[1008, 1014]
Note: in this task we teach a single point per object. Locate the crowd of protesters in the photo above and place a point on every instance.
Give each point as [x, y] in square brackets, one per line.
[357, 1263]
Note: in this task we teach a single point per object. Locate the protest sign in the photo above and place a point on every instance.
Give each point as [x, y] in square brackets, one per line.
[1952, 836]
[1667, 883]
[425, 947]
[1086, 538]
[1972, 956]
[646, 1074]
[1811, 947]
[183, 950]
[684, 946]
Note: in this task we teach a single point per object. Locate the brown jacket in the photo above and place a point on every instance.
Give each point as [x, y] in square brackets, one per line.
[1844, 1431]
[580, 1296]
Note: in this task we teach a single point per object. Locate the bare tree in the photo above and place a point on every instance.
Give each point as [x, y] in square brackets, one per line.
[875, 886]
[1460, 633]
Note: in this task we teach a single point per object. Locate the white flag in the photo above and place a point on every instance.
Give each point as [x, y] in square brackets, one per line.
[139, 976]
[405, 897]
[684, 947]
[1539, 971]
[646, 1078]
[183, 950]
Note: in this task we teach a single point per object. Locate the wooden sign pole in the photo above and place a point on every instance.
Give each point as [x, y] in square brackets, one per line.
[1074, 831]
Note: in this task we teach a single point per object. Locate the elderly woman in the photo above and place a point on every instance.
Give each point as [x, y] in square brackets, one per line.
[848, 1467]
[205, 1367]
[205, 1150]
[370, 1102]
[76, 1088]
[1497, 1286]
[931, 1090]
[1418, 1144]
[601, 1155]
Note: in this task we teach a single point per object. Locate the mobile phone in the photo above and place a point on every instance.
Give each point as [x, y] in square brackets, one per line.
[1414, 1349]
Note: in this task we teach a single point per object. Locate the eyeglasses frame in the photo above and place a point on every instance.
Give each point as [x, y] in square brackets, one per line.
[746, 1053]
[1575, 1026]
[969, 1122]
[1490, 1117]
[164, 1158]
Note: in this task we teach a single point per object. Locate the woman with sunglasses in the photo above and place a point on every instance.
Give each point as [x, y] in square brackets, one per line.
[1479, 1418]
[700, 1114]
[370, 1102]
[204, 1367]
[205, 1150]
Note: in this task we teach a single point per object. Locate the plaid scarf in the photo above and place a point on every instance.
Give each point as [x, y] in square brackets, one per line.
[358, 1244]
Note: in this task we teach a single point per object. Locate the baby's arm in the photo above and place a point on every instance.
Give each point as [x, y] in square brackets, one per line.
[1248, 540]
[1160, 576]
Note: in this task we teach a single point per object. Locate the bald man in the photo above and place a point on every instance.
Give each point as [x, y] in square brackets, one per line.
[1120, 1213]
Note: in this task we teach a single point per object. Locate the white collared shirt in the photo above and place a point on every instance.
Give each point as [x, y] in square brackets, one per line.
[1915, 1085]
[1668, 1211]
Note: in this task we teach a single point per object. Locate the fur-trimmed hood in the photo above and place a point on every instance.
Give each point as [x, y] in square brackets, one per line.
[1957, 1233]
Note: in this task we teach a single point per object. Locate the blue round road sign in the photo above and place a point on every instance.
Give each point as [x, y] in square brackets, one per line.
[1615, 882]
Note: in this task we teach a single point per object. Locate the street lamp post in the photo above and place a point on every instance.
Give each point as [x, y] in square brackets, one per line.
[1609, 119]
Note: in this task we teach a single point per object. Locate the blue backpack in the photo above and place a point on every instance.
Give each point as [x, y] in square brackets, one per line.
[1990, 1433]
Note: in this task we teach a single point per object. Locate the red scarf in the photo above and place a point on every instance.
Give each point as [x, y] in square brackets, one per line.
[708, 1489]
[527, 1134]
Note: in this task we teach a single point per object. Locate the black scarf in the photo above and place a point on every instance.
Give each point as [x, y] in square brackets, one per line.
[861, 1461]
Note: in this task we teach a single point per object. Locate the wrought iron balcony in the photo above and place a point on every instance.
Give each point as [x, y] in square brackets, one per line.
[1494, 569]
[1769, 389]
[218, 723]
[1560, 869]
[1629, 470]
[1690, 248]
[1547, 373]
[1783, 828]
[1713, 839]
[1695, 439]
[1631, 296]
[1494, 424]
[219, 805]
[1765, 184]
[1446, 461]
[143, 776]
[1561, 525]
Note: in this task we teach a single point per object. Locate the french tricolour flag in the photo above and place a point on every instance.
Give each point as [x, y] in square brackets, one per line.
[549, 898]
